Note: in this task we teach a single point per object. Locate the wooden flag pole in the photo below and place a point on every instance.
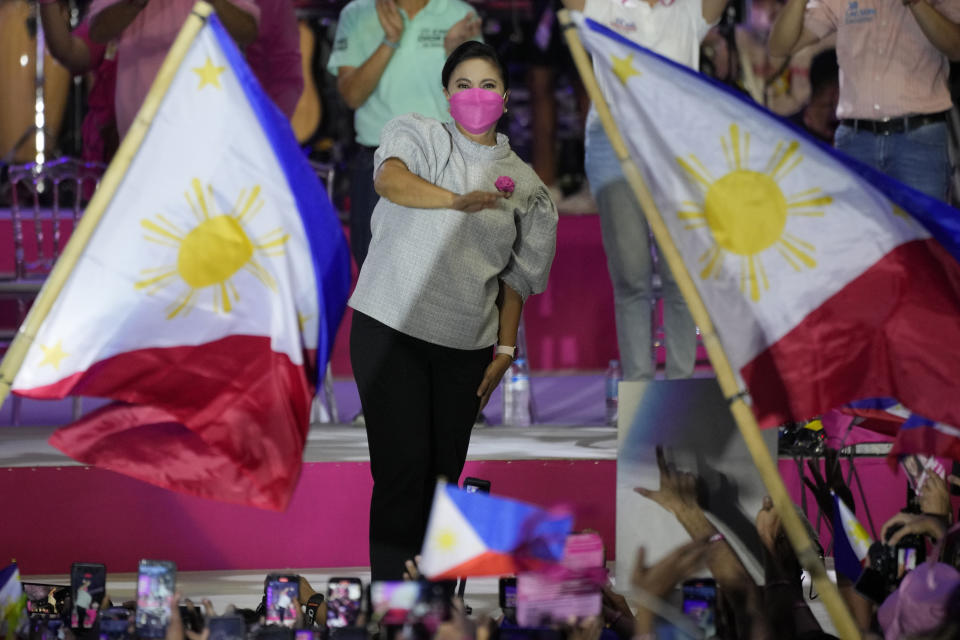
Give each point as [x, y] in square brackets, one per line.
[27, 333]
[744, 417]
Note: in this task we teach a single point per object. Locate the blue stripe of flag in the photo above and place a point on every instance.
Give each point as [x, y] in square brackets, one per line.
[328, 247]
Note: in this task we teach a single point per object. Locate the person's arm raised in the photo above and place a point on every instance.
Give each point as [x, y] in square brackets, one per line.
[356, 84]
[942, 32]
[68, 49]
[401, 186]
[109, 24]
[788, 33]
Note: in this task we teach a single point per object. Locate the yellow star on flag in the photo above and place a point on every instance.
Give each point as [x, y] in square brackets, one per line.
[209, 74]
[623, 68]
[302, 319]
[53, 355]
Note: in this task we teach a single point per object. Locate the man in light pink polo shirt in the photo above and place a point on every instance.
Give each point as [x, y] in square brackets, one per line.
[145, 29]
[893, 57]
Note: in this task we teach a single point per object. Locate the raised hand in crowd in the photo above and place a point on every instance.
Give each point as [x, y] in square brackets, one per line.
[934, 496]
[678, 494]
[411, 570]
[913, 523]
[585, 629]
[662, 578]
[464, 29]
[678, 489]
[390, 20]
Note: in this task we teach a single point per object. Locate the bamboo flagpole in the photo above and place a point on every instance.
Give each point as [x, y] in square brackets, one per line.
[746, 422]
[26, 334]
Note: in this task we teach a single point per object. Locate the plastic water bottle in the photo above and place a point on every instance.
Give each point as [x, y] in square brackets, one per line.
[611, 389]
[516, 395]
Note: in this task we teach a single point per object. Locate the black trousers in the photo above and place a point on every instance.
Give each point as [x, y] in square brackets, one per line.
[419, 402]
[363, 198]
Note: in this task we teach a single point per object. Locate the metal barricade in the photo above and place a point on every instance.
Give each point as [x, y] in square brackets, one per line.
[54, 196]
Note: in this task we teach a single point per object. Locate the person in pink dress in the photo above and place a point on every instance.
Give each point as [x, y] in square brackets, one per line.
[145, 30]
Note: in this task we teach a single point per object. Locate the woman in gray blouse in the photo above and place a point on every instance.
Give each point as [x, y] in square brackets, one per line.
[464, 232]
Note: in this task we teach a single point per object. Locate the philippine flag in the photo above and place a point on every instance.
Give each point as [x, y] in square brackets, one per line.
[11, 596]
[851, 542]
[827, 282]
[209, 292]
[475, 534]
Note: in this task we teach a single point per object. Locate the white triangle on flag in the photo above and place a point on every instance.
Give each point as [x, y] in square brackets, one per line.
[450, 540]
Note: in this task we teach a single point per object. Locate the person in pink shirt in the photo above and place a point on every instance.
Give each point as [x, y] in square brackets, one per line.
[274, 56]
[145, 29]
[893, 57]
[78, 53]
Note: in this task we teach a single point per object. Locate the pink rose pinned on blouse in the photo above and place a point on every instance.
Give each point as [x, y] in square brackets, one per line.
[505, 185]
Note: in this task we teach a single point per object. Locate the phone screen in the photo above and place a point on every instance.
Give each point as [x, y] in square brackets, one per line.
[392, 602]
[344, 596]
[44, 599]
[906, 560]
[227, 628]
[476, 485]
[155, 588]
[282, 591]
[88, 583]
[115, 624]
[699, 604]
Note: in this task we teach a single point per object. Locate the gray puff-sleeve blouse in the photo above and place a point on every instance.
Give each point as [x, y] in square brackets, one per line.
[433, 273]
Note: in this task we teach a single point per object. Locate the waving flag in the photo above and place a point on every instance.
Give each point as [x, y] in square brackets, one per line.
[475, 534]
[913, 433]
[12, 599]
[851, 542]
[212, 286]
[827, 281]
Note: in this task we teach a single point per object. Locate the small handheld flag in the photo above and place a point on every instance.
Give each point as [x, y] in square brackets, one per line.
[475, 534]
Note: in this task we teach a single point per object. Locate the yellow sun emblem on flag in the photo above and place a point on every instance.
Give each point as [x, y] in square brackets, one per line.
[211, 251]
[446, 540]
[748, 213]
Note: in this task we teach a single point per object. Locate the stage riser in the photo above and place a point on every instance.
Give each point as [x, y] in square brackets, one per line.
[57, 515]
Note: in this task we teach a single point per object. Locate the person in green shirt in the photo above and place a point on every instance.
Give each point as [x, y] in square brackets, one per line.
[387, 56]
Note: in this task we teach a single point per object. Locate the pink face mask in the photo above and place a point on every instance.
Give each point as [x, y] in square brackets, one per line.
[476, 110]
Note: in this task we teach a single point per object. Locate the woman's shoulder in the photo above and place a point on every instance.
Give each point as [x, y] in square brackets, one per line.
[526, 180]
[413, 125]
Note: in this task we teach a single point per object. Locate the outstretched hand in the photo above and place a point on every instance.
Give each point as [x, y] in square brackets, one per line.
[476, 201]
[661, 579]
[678, 489]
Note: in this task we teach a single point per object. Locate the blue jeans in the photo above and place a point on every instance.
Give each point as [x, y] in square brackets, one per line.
[626, 241]
[917, 158]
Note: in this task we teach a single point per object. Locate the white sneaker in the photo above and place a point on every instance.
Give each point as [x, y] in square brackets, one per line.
[580, 202]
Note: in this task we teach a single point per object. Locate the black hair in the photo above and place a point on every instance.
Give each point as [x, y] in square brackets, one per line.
[824, 71]
[468, 51]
